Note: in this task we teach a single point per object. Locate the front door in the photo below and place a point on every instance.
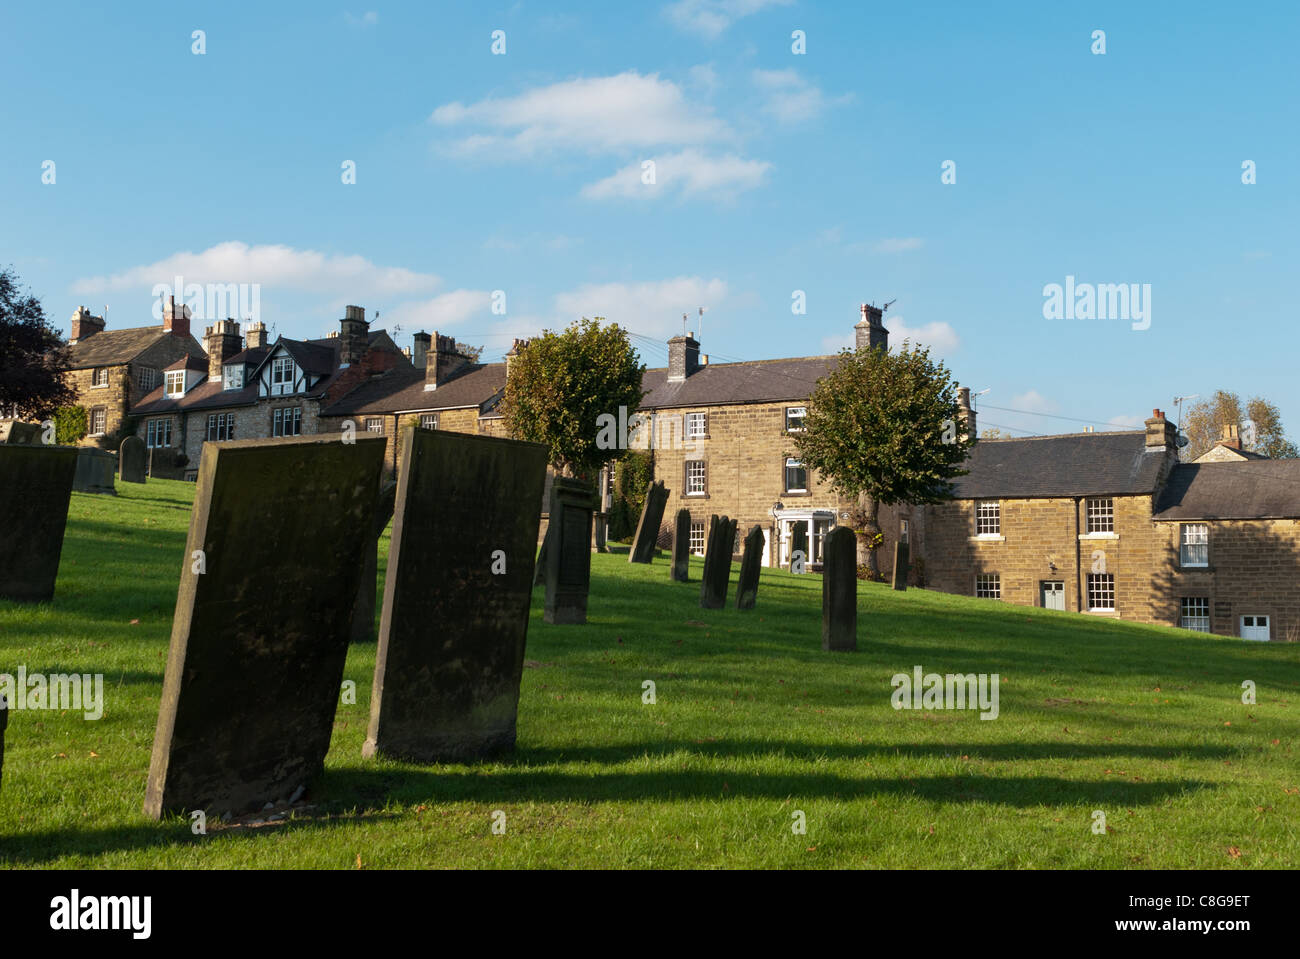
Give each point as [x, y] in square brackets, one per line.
[1254, 627]
[1053, 594]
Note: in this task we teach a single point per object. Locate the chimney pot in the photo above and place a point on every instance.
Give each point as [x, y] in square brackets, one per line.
[683, 357]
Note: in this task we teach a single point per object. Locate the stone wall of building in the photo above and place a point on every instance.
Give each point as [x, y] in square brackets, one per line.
[114, 398]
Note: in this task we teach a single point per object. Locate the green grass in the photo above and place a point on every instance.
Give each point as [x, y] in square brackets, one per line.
[753, 722]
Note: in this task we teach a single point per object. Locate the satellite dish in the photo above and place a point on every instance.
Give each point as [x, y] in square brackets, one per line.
[1182, 442]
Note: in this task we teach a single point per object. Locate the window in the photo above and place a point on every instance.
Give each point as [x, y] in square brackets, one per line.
[175, 382]
[1101, 590]
[281, 375]
[695, 485]
[1194, 549]
[1195, 613]
[1101, 516]
[221, 426]
[146, 377]
[988, 585]
[428, 421]
[988, 518]
[158, 432]
[697, 539]
[234, 376]
[794, 416]
[796, 476]
[98, 421]
[287, 421]
[374, 424]
[99, 377]
[696, 425]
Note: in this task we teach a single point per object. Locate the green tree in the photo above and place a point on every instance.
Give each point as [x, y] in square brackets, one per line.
[562, 387]
[1258, 422]
[70, 425]
[33, 356]
[884, 428]
[1264, 430]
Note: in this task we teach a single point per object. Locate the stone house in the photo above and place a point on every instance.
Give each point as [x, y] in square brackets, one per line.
[1228, 449]
[113, 370]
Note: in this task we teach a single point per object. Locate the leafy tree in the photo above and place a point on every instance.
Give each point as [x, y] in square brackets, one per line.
[884, 428]
[70, 425]
[33, 357]
[1260, 428]
[1268, 436]
[561, 385]
[993, 433]
[632, 475]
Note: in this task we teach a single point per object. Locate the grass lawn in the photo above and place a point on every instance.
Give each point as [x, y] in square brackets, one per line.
[752, 723]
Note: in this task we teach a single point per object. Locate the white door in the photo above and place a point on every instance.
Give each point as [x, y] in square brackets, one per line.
[1254, 627]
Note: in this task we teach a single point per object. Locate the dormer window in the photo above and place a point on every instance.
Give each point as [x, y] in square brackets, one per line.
[233, 376]
[281, 375]
[175, 382]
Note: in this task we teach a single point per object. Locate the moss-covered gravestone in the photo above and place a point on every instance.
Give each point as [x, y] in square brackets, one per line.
[35, 488]
[717, 562]
[840, 591]
[568, 562]
[681, 568]
[750, 561]
[647, 530]
[456, 597]
[902, 559]
[271, 571]
[131, 460]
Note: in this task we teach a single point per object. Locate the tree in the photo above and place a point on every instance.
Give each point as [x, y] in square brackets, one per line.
[1267, 436]
[884, 428]
[560, 386]
[33, 357]
[1260, 429]
[993, 433]
[70, 425]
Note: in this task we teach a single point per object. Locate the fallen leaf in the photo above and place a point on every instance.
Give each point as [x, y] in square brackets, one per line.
[135, 622]
[1234, 852]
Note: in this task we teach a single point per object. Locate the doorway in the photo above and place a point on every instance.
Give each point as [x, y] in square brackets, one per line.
[1052, 594]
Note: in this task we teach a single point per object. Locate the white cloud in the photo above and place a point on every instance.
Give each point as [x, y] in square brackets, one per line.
[686, 172]
[712, 17]
[367, 19]
[651, 308]
[789, 97]
[898, 244]
[441, 312]
[273, 266]
[1034, 402]
[939, 336]
[597, 114]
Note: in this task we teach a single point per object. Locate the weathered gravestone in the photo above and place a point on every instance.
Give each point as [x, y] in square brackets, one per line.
[363, 614]
[568, 561]
[456, 597]
[747, 585]
[271, 571]
[20, 434]
[681, 567]
[35, 488]
[799, 557]
[95, 471]
[840, 591]
[901, 561]
[4, 721]
[131, 460]
[647, 530]
[717, 562]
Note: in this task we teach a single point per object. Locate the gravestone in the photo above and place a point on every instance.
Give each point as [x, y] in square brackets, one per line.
[19, 433]
[35, 489]
[747, 585]
[456, 597]
[96, 470]
[681, 567]
[131, 460]
[568, 560]
[717, 562]
[271, 571]
[363, 615]
[799, 544]
[901, 562]
[4, 722]
[840, 591]
[647, 530]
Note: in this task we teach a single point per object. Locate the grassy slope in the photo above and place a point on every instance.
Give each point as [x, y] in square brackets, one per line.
[753, 721]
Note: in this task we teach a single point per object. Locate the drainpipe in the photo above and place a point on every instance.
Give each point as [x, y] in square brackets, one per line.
[1078, 559]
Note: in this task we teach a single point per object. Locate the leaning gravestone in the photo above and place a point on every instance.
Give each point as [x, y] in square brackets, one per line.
[35, 489]
[840, 591]
[681, 567]
[363, 614]
[131, 457]
[717, 562]
[95, 471]
[901, 560]
[647, 530]
[456, 597]
[568, 563]
[747, 586]
[271, 571]
[20, 434]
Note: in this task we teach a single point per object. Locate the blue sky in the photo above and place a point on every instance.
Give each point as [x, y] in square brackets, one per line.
[775, 172]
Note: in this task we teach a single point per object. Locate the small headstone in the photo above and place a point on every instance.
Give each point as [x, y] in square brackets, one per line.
[363, 615]
[568, 560]
[20, 434]
[456, 597]
[271, 571]
[747, 586]
[602, 532]
[131, 457]
[96, 470]
[901, 561]
[35, 489]
[717, 562]
[647, 530]
[840, 591]
[681, 568]
[799, 544]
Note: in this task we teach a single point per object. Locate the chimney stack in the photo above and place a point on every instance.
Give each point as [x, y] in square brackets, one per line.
[420, 352]
[683, 357]
[254, 335]
[1231, 437]
[1161, 434]
[84, 325]
[222, 341]
[176, 319]
[444, 363]
[965, 413]
[354, 335]
[515, 350]
[871, 332]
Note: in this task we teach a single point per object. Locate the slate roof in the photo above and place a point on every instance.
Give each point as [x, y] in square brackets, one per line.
[116, 347]
[758, 381]
[206, 395]
[1073, 464]
[402, 390]
[1250, 489]
[188, 362]
[254, 356]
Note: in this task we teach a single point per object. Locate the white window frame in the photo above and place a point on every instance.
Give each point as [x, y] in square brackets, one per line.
[1103, 589]
[146, 378]
[793, 463]
[232, 376]
[102, 413]
[158, 432]
[1099, 515]
[175, 383]
[697, 425]
[1194, 613]
[374, 424]
[697, 539]
[988, 517]
[988, 585]
[798, 413]
[428, 421]
[282, 375]
[1193, 539]
[286, 421]
[697, 475]
[99, 377]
